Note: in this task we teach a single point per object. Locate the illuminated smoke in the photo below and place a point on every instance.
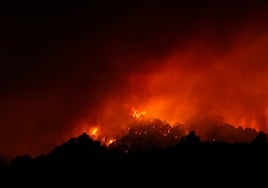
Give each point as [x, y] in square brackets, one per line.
[100, 66]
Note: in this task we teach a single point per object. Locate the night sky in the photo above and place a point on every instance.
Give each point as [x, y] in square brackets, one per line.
[67, 68]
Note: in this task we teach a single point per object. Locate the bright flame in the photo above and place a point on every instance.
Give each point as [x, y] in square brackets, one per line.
[136, 114]
[197, 84]
[94, 131]
[111, 141]
[107, 141]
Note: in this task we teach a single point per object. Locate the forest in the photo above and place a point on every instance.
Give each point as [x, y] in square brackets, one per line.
[154, 150]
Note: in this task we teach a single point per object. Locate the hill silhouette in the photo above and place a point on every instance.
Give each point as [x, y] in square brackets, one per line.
[139, 155]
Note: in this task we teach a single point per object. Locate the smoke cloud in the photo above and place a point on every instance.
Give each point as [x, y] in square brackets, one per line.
[64, 71]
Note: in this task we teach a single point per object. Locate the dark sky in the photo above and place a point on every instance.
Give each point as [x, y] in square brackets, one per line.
[69, 66]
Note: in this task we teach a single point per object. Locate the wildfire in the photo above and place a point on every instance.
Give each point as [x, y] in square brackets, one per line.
[106, 141]
[94, 131]
[137, 114]
[111, 141]
[99, 135]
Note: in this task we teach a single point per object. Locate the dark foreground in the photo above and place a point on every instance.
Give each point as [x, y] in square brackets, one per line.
[190, 162]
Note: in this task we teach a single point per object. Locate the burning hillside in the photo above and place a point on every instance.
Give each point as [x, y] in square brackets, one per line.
[115, 68]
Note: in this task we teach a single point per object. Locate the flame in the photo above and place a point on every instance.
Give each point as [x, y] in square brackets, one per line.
[197, 82]
[93, 131]
[111, 141]
[138, 114]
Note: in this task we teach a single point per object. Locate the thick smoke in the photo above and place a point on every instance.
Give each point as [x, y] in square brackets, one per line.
[64, 71]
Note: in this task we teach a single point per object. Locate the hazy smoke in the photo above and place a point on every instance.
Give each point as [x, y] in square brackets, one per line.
[64, 71]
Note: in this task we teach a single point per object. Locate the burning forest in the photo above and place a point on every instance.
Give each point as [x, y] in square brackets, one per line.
[136, 73]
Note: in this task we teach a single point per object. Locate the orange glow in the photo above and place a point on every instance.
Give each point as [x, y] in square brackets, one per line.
[138, 114]
[111, 141]
[229, 87]
[94, 131]
[197, 65]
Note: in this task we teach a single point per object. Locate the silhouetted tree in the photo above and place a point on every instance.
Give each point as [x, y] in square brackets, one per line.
[148, 135]
[21, 160]
[260, 139]
[191, 139]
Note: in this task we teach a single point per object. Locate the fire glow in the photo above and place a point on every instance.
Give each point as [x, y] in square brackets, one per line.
[138, 114]
[193, 65]
[220, 89]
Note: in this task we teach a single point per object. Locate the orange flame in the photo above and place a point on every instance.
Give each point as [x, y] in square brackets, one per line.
[94, 131]
[181, 86]
[138, 114]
